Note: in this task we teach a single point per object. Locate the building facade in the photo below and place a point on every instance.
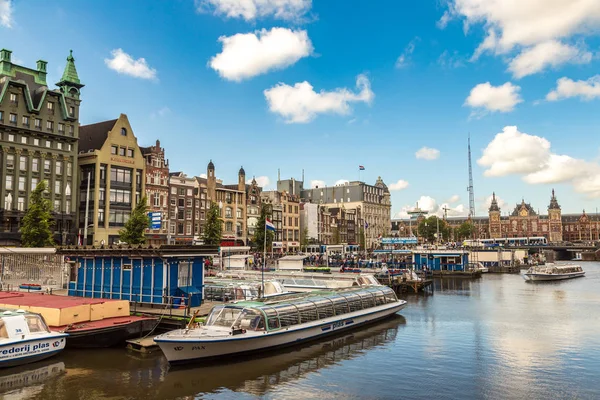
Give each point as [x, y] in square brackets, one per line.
[39, 133]
[183, 202]
[157, 191]
[253, 207]
[111, 170]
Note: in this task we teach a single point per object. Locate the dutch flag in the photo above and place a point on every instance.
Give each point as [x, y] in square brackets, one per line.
[269, 225]
[360, 167]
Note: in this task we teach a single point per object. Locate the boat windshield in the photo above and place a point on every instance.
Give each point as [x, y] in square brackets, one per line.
[250, 319]
[223, 316]
[36, 324]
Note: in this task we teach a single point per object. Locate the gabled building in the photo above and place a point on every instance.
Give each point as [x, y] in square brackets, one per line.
[253, 207]
[112, 166]
[39, 132]
[157, 190]
[183, 200]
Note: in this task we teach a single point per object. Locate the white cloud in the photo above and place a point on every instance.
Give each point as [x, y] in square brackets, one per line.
[341, 182]
[567, 88]
[427, 153]
[487, 98]
[262, 181]
[124, 64]
[547, 54]
[513, 152]
[454, 198]
[252, 9]
[6, 13]
[487, 202]
[512, 26]
[317, 184]
[301, 104]
[404, 59]
[450, 61]
[431, 206]
[204, 176]
[400, 185]
[246, 55]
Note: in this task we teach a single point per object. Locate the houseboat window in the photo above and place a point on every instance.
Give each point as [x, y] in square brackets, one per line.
[308, 312]
[35, 324]
[250, 320]
[3, 331]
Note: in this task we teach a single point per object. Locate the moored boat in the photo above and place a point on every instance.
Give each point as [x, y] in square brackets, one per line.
[247, 327]
[25, 338]
[553, 272]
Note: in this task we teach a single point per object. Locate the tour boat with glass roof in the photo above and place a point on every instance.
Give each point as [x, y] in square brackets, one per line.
[553, 272]
[25, 338]
[246, 327]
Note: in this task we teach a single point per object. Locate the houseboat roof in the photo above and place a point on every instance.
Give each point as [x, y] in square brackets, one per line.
[293, 258]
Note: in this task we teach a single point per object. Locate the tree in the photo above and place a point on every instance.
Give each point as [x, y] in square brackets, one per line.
[35, 229]
[304, 238]
[335, 236]
[213, 228]
[259, 230]
[134, 231]
[428, 228]
[465, 230]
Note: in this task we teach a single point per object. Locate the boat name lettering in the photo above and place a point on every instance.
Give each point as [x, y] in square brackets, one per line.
[338, 324]
[178, 348]
[26, 348]
[198, 348]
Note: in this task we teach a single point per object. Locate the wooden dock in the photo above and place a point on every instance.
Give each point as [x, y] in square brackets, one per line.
[401, 285]
[144, 345]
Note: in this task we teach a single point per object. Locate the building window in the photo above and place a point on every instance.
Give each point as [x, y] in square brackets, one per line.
[25, 120]
[68, 147]
[35, 165]
[182, 192]
[9, 182]
[113, 150]
[10, 161]
[23, 163]
[157, 200]
[188, 202]
[180, 228]
[56, 205]
[10, 137]
[120, 196]
[61, 128]
[12, 118]
[59, 145]
[58, 167]
[57, 187]
[189, 192]
[21, 204]
[48, 144]
[228, 212]
[102, 195]
[202, 215]
[38, 123]
[68, 208]
[71, 111]
[47, 166]
[36, 142]
[13, 98]
[24, 139]
[120, 175]
[229, 226]
[34, 182]
[22, 183]
[49, 125]
[121, 151]
[100, 214]
[71, 130]
[129, 152]
[123, 132]
[50, 107]
[188, 214]
[239, 213]
[69, 169]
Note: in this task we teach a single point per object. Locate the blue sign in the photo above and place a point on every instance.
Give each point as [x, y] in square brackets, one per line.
[155, 220]
[406, 240]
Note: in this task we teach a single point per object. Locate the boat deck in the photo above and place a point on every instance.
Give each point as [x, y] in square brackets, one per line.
[103, 323]
[31, 299]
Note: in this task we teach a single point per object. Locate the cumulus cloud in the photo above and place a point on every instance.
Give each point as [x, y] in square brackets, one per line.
[400, 185]
[246, 55]
[6, 13]
[514, 152]
[487, 98]
[547, 54]
[341, 182]
[204, 176]
[567, 88]
[301, 104]
[487, 202]
[427, 153]
[454, 198]
[253, 9]
[404, 59]
[514, 26]
[317, 184]
[262, 181]
[124, 64]
[432, 207]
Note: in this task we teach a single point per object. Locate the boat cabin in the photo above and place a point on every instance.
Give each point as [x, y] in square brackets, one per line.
[20, 324]
[441, 260]
[271, 316]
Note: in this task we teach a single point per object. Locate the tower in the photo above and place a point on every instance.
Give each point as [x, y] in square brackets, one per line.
[494, 214]
[554, 215]
[242, 179]
[211, 181]
[470, 188]
[69, 83]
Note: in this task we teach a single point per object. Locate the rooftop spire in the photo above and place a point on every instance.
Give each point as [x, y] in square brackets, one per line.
[70, 83]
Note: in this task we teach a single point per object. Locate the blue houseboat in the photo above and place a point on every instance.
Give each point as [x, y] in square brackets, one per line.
[441, 260]
[162, 275]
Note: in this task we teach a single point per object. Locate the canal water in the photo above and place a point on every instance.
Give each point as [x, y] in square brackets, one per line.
[497, 337]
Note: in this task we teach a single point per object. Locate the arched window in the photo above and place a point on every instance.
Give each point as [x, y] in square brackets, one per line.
[123, 132]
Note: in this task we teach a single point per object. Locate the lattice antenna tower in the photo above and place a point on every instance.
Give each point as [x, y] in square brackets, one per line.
[470, 188]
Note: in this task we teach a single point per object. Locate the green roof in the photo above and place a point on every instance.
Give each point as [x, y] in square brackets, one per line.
[70, 74]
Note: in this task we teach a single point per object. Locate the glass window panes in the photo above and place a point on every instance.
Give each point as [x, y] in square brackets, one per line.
[10, 161]
[35, 165]
[47, 166]
[22, 183]
[121, 151]
[34, 182]
[23, 163]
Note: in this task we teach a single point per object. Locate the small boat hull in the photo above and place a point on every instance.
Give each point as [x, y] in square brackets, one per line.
[187, 350]
[22, 352]
[533, 277]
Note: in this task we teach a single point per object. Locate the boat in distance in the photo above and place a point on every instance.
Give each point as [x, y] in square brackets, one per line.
[246, 327]
[553, 272]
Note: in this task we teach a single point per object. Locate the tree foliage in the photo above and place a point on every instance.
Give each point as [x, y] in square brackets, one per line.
[304, 238]
[213, 228]
[259, 231]
[335, 236]
[428, 228]
[465, 231]
[134, 231]
[361, 238]
[35, 228]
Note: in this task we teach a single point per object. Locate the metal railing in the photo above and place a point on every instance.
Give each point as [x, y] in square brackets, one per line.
[48, 270]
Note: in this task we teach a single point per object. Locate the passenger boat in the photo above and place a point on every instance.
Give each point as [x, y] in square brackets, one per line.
[553, 272]
[236, 290]
[25, 338]
[246, 327]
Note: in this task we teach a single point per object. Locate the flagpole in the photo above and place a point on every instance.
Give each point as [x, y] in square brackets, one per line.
[262, 275]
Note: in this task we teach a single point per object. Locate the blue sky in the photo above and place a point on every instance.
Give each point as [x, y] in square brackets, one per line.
[326, 86]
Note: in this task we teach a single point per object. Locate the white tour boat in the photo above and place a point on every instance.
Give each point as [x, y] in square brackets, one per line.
[247, 327]
[25, 338]
[553, 272]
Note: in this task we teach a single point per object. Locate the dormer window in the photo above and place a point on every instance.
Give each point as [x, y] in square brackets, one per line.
[123, 132]
[13, 98]
[51, 107]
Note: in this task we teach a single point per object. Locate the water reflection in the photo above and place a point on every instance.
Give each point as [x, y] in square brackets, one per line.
[26, 381]
[256, 376]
